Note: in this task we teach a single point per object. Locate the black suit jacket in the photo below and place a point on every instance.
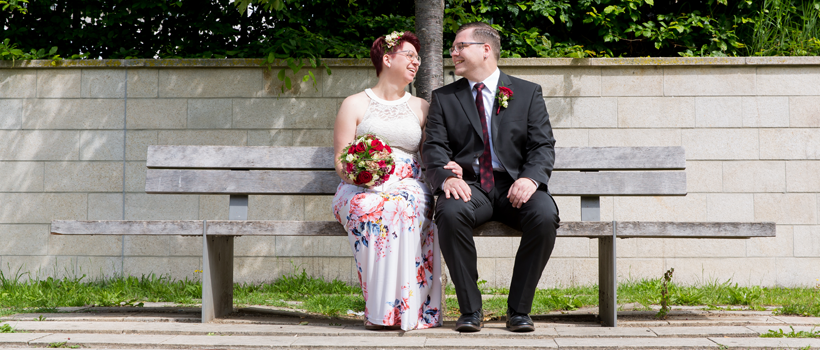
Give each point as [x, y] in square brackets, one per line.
[522, 134]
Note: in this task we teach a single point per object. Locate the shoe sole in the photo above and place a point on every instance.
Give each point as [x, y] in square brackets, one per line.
[521, 328]
[469, 328]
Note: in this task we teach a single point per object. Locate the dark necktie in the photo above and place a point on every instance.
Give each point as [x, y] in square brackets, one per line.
[485, 163]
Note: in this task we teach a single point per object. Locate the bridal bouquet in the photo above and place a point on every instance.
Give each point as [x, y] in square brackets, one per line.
[368, 161]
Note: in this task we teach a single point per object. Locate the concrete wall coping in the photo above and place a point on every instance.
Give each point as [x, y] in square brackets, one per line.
[350, 62]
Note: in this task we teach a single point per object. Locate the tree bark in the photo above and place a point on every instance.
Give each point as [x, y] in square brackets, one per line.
[430, 31]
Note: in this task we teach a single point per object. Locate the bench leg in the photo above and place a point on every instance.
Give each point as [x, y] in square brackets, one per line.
[607, 282]
[217, 277]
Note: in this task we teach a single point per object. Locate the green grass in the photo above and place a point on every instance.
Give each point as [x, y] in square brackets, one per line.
[6, 328]
[20, 293]
[801, 334]
[300, 291]
[313, 294]
[793, 301]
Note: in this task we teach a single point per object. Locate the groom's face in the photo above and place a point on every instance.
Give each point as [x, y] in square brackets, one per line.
[469, 57]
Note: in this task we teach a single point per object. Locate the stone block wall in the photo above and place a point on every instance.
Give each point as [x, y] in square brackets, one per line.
[73, 141]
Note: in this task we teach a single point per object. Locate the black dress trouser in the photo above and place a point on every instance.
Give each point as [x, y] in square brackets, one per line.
[537, 219]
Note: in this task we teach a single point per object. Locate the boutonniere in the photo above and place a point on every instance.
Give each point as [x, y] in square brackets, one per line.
[503, 96]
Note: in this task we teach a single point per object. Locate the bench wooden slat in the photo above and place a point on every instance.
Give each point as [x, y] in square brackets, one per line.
[241, 157]
[122, 227]
[589, 229]
[240, 182]
[620, 158]
[564, 183]
[639, 229]
[618, 183]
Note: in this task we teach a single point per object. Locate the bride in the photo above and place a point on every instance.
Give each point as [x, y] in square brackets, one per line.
[390, 228]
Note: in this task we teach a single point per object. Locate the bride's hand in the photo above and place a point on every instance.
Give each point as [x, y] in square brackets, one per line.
[455, 168]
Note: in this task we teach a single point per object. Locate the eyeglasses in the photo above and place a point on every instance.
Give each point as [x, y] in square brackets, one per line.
[410, 55]
[457, 47]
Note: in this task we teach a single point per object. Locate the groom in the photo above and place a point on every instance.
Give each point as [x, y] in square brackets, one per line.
[506, 150]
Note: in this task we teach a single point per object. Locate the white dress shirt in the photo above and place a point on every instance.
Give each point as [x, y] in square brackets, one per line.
[488, 93]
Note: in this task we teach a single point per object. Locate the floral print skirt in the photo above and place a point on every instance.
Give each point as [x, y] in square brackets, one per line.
[395, 246]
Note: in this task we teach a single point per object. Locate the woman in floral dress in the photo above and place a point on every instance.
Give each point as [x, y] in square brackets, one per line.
[390, 228]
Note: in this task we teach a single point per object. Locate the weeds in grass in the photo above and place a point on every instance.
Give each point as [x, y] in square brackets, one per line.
[667, 278]
[799, 309]
[6, 328]
[63, 344]
[799, 334]
[796, 301]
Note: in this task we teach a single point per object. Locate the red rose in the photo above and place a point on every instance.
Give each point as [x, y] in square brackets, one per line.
[364, 177]
[505, 91]
[360, 147]
[351, 150]
[350, 167]
[386, 177]
[381, 164]
[377, 145]
[392, 166]
[387, 147]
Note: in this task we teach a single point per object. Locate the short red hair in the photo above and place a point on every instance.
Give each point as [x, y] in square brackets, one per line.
[379, 48]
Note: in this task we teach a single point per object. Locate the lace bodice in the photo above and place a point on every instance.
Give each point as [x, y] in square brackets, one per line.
[393, 121]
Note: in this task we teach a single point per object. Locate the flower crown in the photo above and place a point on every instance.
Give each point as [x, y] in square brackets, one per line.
[392, 39]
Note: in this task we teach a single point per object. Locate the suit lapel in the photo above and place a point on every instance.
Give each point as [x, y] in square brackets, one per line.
[465, 97]
[503, 80]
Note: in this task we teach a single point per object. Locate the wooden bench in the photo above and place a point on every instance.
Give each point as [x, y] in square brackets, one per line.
[589, 172]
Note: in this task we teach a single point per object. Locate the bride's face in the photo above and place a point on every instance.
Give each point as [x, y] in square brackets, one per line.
[404, 63]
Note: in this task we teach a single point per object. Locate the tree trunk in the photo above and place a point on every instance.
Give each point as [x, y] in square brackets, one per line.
[430, 31]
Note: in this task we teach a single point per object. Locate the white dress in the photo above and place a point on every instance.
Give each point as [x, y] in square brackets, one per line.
[390, 228]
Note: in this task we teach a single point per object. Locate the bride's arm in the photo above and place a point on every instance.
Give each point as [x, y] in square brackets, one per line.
[344, 130]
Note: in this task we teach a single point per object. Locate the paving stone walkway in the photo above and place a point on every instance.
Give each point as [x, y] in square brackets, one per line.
[179, 328]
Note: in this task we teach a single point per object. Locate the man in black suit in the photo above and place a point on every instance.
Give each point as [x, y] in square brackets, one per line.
[507, 153]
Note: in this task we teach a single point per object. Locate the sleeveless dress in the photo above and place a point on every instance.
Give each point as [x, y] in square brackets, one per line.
[390, 228]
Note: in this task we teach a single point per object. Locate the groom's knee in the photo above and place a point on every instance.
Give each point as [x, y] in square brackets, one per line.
[451, 210]
[540, 211]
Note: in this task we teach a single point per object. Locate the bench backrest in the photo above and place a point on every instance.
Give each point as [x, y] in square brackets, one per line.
[579, 171]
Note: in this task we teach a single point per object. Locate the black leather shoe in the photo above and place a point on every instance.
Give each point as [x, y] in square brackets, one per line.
[470, 322]
[518, 322]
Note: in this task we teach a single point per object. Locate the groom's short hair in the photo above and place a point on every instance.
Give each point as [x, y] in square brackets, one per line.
[484, 33]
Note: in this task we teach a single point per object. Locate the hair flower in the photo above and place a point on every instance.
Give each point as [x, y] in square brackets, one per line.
[393, 38]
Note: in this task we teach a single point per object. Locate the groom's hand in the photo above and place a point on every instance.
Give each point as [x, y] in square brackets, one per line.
[521, 191]
[458, 188]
